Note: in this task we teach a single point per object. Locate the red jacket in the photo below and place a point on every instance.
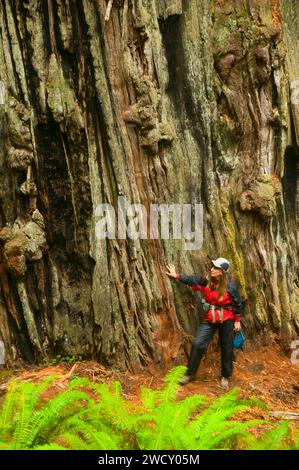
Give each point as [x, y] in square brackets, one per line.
[230, 297]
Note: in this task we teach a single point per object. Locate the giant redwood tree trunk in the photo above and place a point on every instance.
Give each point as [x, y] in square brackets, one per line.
[160, 101]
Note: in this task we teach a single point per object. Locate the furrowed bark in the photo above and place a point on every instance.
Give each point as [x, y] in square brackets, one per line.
[159, 102]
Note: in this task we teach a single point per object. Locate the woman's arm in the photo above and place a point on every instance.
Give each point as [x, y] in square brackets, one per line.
[195, 282]
[233, 292]
[192, 281]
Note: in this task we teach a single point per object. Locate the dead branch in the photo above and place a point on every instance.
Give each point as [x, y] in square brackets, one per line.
[284, 414]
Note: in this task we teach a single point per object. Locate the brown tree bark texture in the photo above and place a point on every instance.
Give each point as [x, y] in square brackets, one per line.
[160, 101]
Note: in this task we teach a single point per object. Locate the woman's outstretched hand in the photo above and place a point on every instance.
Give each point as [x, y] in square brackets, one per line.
[171, 270]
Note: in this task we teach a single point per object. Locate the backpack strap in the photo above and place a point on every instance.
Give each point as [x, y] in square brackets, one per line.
[221, 315]
[213, 314]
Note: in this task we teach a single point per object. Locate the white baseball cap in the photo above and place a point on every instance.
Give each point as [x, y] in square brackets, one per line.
[221, 263]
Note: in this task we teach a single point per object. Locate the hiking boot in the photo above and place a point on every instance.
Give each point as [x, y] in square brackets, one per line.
[186, 379]
[224, 382]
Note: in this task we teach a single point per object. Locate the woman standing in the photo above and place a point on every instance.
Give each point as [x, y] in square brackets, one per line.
[223, 305]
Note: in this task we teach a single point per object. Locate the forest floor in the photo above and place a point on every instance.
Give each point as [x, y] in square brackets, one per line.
[266, 373]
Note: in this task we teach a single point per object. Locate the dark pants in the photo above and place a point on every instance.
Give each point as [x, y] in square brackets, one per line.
[203, 337]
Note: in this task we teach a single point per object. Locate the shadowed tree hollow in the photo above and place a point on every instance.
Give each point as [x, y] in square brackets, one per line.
[161, 102]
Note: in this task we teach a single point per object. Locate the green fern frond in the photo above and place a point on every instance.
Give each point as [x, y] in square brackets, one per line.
[8, 408]
[99, 440]
[51, 446]
[78, 382]
[149, 398]
[166, 422]
[171, 380]
[49, 414]
[274, 439]
[255, 402]
[212, 426]
[72, 441]
[94, 433]
[20, 400]
[39, 388]
[211, 417]
[29, 422]
[227, 400]
[219, 438]
[113, 408]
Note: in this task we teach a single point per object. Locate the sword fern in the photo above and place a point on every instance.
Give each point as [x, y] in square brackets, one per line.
[87, 415]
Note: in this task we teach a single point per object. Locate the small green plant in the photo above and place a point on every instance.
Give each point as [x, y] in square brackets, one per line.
[59, 358]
